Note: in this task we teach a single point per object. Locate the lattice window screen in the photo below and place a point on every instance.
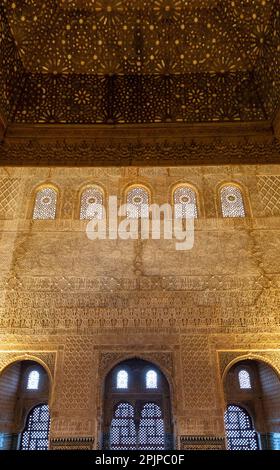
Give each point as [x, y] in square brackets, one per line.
[36, 433]
[239, 430]
[185, 203]
[138, 203]
[151, 429]
[123, 431]
[45, 204]
[232, 202]
[91, 204]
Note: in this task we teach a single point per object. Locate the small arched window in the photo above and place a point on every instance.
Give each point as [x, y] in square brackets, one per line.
[36, 432]
[33, 380]
[122, 379]
[185, 203]
[232, 203]
[244, 379]
[151, 379]
[45, 204]
[91, 204]
[137, 203]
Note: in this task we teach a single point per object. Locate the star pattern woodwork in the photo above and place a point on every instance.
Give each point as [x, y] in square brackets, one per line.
[117, 61]
[139, 36]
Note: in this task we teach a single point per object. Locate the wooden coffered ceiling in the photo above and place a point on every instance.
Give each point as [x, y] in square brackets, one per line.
[139, 62]
[139, 36]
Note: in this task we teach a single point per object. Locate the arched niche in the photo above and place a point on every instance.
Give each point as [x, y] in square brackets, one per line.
[137, 408]
[253, 386]
[24, 387]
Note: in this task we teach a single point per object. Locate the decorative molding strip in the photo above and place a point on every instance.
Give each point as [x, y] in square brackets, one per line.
[72, 443]
[139, 154]
[202, 443]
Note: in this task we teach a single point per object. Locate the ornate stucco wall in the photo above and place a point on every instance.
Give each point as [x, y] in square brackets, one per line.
[80, 306]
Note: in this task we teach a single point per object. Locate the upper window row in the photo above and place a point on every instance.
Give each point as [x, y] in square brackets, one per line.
[151, 380]
[138, 200]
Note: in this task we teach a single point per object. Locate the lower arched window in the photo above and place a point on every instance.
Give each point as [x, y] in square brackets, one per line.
[240, 432]
[137, 410]
[35, 435]
[151, 429]
[123, 431]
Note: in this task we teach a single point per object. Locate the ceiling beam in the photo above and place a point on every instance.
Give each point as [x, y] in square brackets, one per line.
[259, 131]
[3, 126]
[276, 124]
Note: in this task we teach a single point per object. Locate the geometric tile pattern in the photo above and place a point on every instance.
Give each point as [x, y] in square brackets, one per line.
[9, 189]
[269, 189]
[197, 372]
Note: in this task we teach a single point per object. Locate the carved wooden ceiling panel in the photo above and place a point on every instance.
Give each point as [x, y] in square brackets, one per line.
[11, 70]
[96, 99]
[139, 61]
[139, 36]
